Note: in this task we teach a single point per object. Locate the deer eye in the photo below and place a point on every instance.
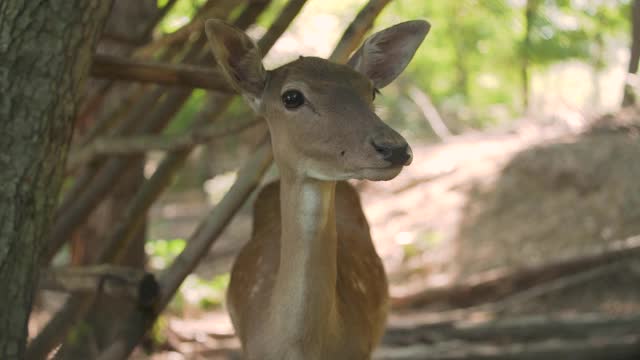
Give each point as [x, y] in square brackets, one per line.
[292, 99]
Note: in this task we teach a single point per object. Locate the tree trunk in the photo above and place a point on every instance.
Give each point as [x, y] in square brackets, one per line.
[45, 53]
[629, 96]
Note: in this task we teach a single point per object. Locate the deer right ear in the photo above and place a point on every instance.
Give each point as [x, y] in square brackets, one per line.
[238, 58]
[385, 54]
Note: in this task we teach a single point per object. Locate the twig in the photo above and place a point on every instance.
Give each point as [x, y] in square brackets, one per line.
[118, 281]
[142, 143]
[212, 8]
[354, 34]
[118, 68]
[429, 112]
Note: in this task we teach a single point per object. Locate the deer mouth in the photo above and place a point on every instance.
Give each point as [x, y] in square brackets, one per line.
[381, 173]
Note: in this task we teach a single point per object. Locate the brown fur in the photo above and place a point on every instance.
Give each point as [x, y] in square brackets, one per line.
[361, 284]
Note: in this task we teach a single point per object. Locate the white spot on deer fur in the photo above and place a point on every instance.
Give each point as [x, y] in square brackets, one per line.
[359, 285]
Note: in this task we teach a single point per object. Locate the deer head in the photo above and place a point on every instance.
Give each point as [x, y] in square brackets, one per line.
[320, 114]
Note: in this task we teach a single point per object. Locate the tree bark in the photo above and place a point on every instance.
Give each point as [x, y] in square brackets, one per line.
[629, 97]
[45, 53]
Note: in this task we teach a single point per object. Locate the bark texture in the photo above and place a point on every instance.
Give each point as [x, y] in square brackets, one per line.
[45, 53]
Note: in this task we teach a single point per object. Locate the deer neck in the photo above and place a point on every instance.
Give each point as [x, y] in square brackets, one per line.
[306, 281]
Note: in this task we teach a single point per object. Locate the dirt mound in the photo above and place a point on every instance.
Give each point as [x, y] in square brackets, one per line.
[556, 200]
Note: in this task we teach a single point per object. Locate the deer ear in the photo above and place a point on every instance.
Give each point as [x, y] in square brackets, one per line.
[238, 58]
[385, 54]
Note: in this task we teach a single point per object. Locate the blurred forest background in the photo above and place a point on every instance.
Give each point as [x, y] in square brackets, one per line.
[513, 235]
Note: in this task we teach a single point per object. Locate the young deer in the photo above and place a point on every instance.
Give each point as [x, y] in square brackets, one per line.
[309, 284]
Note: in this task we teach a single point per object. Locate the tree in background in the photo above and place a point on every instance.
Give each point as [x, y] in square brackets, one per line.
[629, 97]
[482, 56]
[45, 53]
[531, 7]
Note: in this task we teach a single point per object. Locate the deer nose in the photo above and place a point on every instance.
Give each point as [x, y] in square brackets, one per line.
[397, 155]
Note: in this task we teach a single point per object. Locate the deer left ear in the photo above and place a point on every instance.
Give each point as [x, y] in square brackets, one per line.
[385, 54]
[238, 58]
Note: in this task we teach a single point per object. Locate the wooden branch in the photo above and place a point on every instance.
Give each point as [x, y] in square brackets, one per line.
[130, 145]
[118, 281]
[499, 284]
[560, 283]
[212, 8]
[598, 348]
[207, 233]
[117, 68]
[78, 204]
[429, 112]
[518, 329]
[280, 25]
[355, 32]
[202, 239]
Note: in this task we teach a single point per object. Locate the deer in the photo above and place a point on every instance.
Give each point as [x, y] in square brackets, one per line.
[309, 284]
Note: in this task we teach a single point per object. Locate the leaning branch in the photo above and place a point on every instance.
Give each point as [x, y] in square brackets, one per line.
[597, 348]
[355, 32]
[118, 68]
[123, 282]
[130, 145]
[517, 329]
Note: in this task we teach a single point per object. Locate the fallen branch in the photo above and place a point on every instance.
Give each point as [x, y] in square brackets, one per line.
[128, 145]
[500, 284]
[597, 348]
[519, 329]
[118, 281]
[117, 68]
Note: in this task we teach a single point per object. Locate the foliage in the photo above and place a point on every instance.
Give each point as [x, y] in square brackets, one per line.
[179, 15]
[162, 252]
[195, 291]
[472, 62]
